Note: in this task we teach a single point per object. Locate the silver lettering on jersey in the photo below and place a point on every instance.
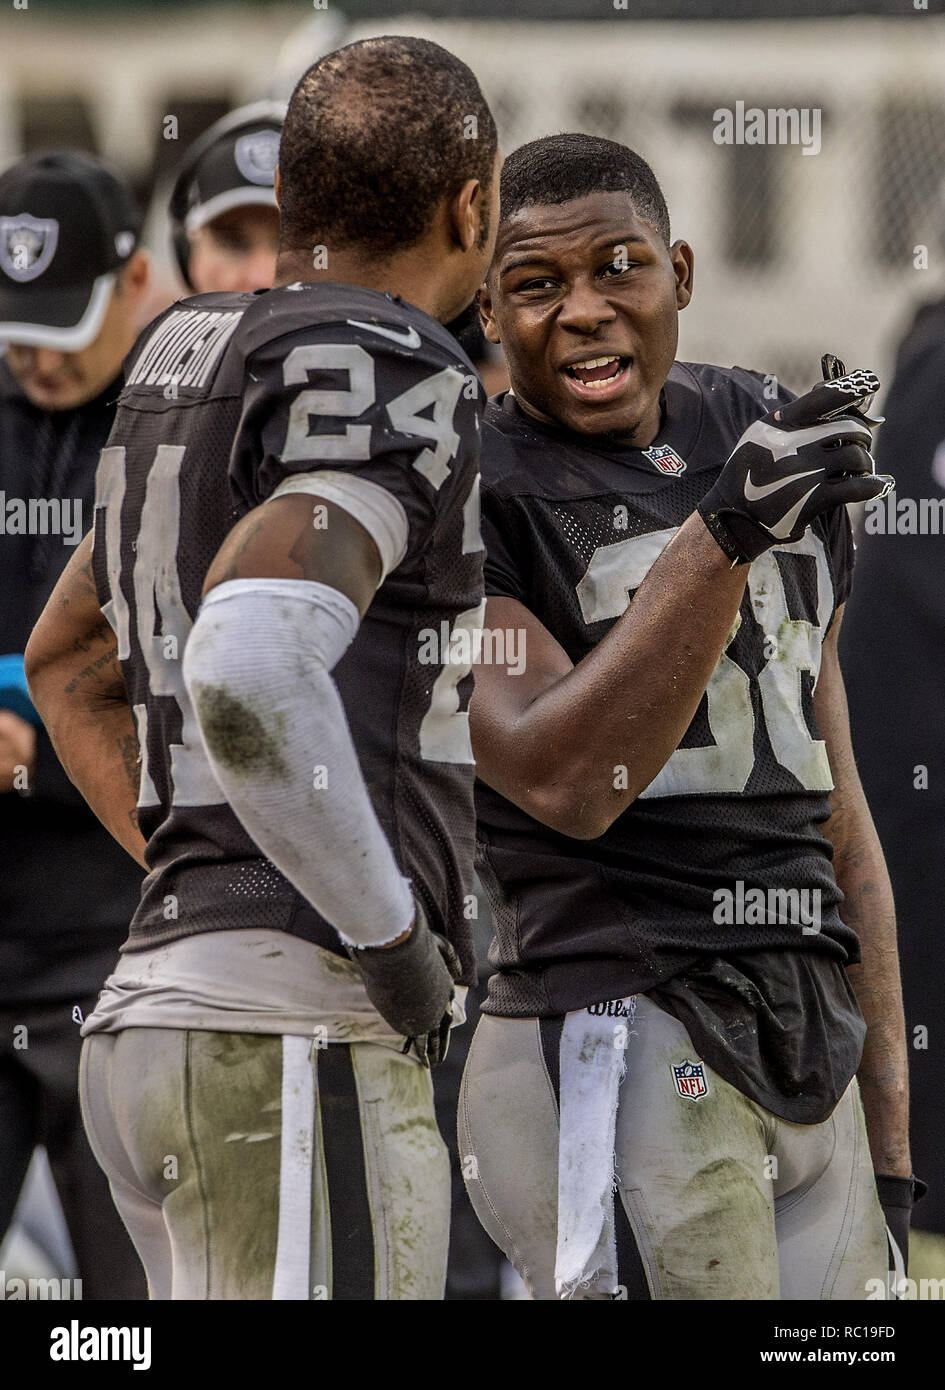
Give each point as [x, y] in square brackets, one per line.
[722, 766]
[725, 765]
[441, 392]
[147, 792]
[155, 573]
[354, 446]
[472, 532]
[184, 348]
[158, 593]
[444, 729]
[109, 496]
[614, 570]
[798, 647]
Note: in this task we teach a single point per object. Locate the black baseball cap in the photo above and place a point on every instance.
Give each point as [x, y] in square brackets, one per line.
[67, 225]
[232, 166]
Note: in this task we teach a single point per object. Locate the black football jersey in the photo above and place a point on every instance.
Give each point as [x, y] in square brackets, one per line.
[571, 528]
[225, 397]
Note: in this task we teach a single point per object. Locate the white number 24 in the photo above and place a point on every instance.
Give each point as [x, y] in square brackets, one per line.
[439, 390]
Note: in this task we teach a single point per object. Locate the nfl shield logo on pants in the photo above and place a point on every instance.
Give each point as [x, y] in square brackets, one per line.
[690, 1080]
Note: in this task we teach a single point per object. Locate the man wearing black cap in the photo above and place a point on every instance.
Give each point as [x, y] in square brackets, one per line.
[71, 284]
[224, 220]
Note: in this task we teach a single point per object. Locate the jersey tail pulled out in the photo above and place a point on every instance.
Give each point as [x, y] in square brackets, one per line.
[572, 527]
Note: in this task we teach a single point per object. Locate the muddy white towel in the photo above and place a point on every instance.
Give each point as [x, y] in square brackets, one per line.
[592, 1060]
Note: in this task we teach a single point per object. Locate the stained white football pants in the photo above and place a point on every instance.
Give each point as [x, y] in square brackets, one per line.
[257, 1166]
[717, 1197]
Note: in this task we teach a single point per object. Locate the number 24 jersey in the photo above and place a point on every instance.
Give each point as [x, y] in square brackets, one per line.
[227, 397]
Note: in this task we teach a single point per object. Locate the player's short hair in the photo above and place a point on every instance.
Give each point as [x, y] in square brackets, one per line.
[376, 135]
[559, 168]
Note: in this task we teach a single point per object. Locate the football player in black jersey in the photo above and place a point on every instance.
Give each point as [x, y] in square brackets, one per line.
[679, 857]
[287, 552]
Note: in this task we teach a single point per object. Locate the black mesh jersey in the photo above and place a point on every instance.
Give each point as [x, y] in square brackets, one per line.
[571, 528]
[226, 396]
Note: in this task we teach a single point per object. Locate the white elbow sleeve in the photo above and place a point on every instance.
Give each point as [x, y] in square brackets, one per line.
[257, 668]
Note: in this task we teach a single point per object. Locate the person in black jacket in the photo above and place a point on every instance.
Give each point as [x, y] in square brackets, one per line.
[893, 650]
[71, 285]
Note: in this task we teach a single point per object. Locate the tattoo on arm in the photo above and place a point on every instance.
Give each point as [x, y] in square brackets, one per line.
[854, 849]
[128, 750]
[232, 570]
[102, 676]
[84, 580]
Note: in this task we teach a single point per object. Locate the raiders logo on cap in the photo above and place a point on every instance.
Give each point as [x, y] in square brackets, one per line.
[256, 156]
[27, 245]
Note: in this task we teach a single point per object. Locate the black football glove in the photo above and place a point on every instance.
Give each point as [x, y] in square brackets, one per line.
[789, 466]
[411, 986]
[897, 1196]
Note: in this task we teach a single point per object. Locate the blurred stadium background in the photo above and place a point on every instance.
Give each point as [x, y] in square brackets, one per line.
[795, 254]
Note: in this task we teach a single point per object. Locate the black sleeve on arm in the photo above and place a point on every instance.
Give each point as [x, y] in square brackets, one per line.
[505, 555]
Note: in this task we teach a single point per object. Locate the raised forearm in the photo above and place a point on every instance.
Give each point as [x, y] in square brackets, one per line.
[627, 704]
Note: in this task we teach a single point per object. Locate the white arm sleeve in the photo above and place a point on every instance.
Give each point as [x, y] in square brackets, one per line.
[257, 668]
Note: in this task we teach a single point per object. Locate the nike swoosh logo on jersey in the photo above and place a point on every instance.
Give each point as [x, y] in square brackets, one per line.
[410, 339]
[754, 492]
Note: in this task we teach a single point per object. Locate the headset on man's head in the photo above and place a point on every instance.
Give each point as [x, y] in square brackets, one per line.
[258, 113]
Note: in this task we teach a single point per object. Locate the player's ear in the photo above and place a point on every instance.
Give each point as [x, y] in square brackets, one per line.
[487, 316]
[136, 277]
[465, 211]
[277, 187]
[680, 254]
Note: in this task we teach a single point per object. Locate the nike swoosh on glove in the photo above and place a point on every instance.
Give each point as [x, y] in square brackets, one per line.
[790, 466]
[411, 986]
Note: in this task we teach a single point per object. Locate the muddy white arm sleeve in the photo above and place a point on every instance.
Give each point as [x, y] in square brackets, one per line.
[257, 667]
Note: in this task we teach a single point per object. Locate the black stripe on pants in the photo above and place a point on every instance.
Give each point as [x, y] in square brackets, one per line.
[352, 1229]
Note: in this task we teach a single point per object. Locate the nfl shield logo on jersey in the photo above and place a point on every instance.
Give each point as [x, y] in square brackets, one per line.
[27, 245]
[665, 458]
[690, 1080]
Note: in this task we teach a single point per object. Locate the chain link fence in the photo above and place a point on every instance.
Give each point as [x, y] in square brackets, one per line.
[823, 236]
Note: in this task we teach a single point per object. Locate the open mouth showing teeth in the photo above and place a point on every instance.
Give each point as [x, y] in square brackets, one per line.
[597, 372]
